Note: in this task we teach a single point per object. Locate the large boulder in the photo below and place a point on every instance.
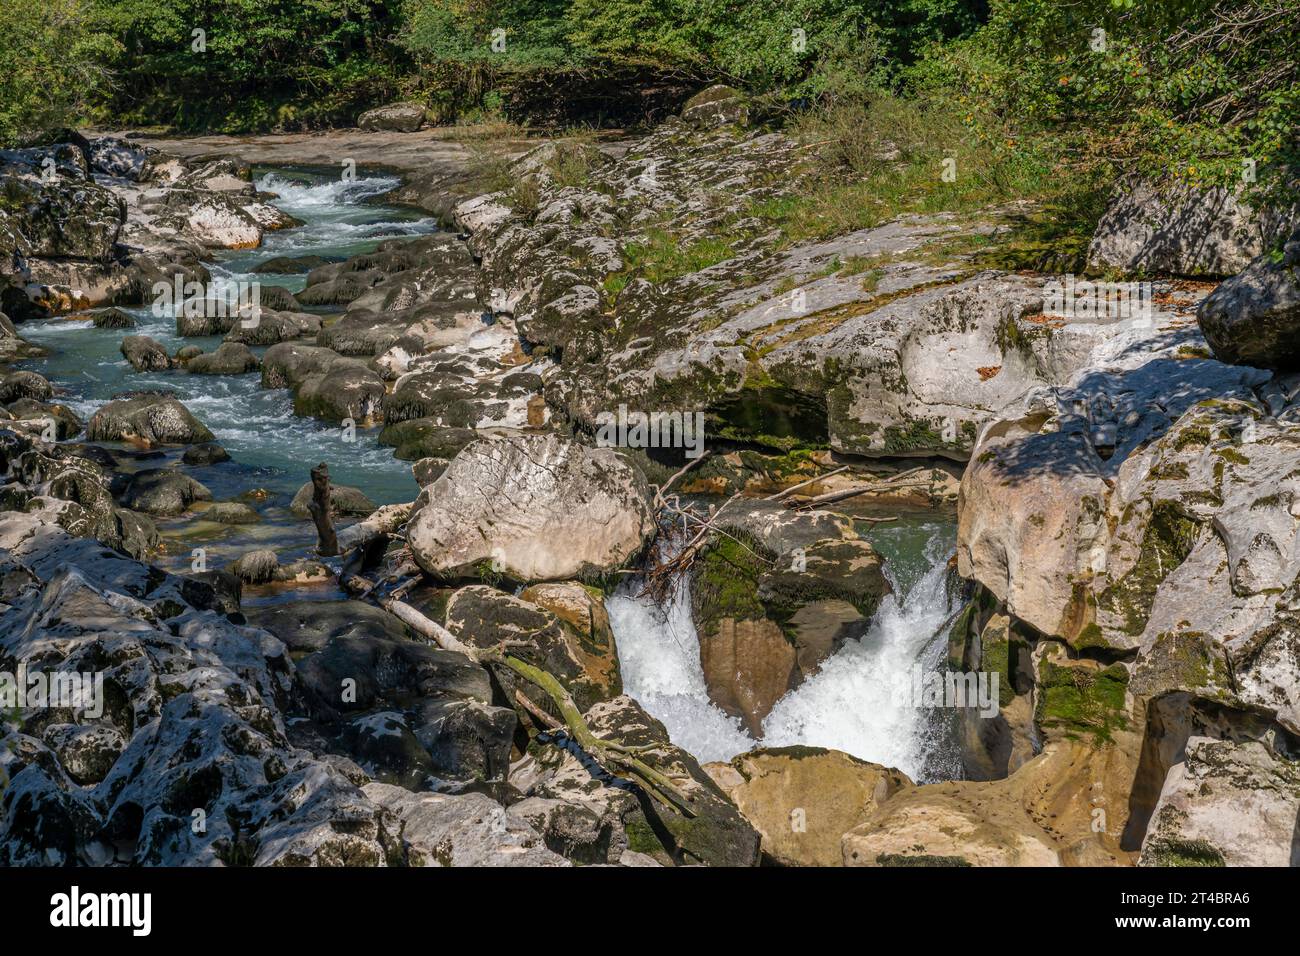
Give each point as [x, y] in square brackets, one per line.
[803, 800]
[396, 117]
[191, 726]
[1184, 230]
[775, 595]
[61, 218]
[577, 648]
[145, 354]
[531, 508]
[152, 418]
[1254, 317]
[716, 834]
[229, 358]
[163, 491]
[344, 501]
[1226, 803]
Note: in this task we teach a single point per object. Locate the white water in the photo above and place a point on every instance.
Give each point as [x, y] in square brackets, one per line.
[859, 702]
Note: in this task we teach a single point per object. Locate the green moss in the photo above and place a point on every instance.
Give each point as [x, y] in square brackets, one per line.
[1193, 435]
[1081, 701]
[1169, 852]
[641, 836]
[1233, 456]
[1168, 539]
[726, 583]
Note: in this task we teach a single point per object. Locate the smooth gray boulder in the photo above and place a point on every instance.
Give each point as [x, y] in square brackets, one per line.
[404, 117]
[1254, 317]
[533, 508]
[153, 418]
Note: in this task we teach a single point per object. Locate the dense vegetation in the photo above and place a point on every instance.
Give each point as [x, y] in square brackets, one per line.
[1026, 97]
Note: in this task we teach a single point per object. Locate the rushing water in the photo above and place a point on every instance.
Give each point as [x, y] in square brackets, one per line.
[271, 449]
[858, 702]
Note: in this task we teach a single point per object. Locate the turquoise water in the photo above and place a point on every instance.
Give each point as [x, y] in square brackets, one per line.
[271, 449]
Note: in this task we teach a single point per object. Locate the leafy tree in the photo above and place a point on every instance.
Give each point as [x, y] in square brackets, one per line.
[50, 65]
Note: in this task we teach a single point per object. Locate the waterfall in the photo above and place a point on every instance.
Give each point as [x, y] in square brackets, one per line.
[860, 700]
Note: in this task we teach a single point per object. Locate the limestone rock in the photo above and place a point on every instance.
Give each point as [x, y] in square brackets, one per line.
[512, 501]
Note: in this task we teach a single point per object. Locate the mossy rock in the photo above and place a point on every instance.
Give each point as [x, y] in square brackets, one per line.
[1082, 700]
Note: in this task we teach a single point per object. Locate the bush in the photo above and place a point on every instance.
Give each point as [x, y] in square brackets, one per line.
[50, 65]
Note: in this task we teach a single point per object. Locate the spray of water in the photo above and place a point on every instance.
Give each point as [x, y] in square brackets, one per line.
[860, 701]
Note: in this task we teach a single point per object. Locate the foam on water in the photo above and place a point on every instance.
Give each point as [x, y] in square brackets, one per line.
[296, 195]
[858, 702]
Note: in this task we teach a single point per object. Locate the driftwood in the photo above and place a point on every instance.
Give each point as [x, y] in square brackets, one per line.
[328, 544]
[660, 501]
[387, 520]
[804, 484]
[618, 758]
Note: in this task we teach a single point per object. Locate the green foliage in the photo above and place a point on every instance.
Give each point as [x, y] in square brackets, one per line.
[50, 64]
[663, 256]
[1193, 89]
[255, 65]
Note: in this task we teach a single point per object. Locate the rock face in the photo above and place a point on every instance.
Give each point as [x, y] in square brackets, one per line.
[773, 597]
[804, 799]
[1254, 317]
[1184, 230]
[1227, 803]
[538, 507]
[396, 117]
[198, 727]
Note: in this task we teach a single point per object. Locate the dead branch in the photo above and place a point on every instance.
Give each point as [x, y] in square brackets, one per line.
[803, 484]
[319, 506]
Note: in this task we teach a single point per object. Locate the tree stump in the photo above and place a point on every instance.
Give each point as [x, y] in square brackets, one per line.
[328, 544]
